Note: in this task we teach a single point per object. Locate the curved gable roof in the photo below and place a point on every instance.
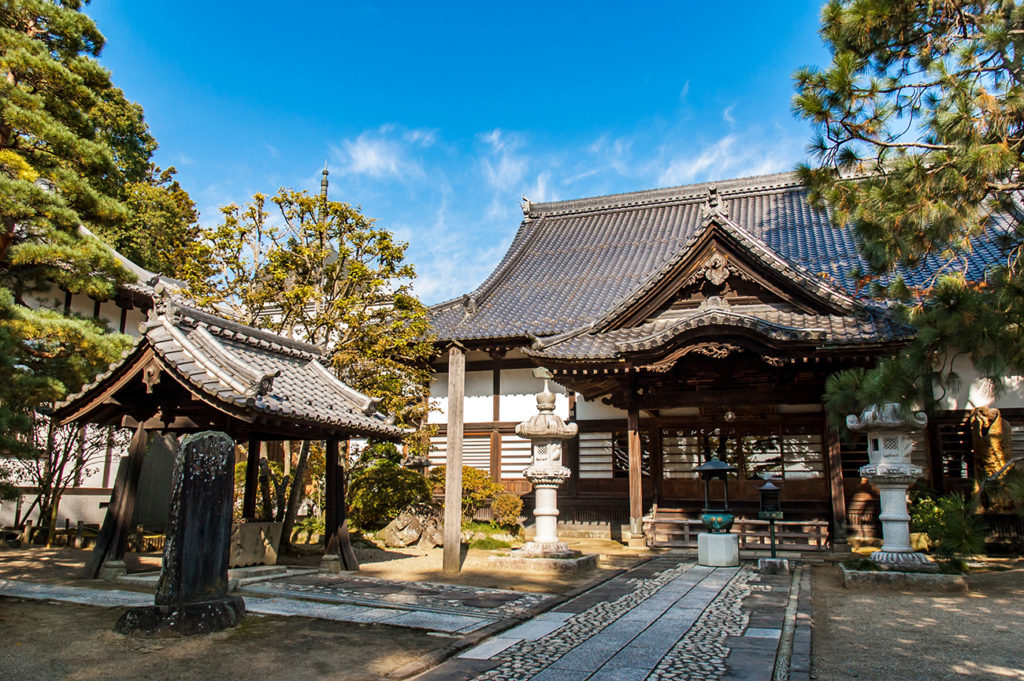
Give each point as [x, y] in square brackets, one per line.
[572, 262]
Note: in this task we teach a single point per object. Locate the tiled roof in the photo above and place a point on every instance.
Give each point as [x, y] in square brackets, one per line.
[249, 371]
[820, 331]
[572, 262]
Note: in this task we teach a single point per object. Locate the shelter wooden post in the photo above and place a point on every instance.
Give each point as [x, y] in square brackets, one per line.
[348, 556]
[837, 490]
[252, 474]
[338, 553]
[636, 524]
[113, 537]
[330, 491]
[453, 462]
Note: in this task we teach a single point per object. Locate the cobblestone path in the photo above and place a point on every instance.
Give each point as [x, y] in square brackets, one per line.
[667, 620]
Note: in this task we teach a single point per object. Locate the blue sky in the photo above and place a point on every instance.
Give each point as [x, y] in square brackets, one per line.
[437, 117]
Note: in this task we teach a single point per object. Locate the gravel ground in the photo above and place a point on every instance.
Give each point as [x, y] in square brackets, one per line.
[48, 641]
[890, 635]
[40, 564]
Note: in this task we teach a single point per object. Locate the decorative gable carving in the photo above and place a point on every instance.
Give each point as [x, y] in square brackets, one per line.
[717, 270]
[724, 261]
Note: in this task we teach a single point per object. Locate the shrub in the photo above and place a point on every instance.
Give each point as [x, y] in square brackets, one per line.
[378, 494]
[951, 523]
[506, 509]
[477, 488]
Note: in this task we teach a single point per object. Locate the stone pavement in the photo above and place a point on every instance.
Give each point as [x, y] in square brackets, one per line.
[665, 619]
[443, 608]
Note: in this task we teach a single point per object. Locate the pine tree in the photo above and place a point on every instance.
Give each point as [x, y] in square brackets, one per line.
[920, 147]
[71, 146]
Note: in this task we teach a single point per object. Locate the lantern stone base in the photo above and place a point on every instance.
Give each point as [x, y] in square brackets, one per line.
[718, 549]
[904, 560]
[773, 566]
[523, 563]
[537, 549]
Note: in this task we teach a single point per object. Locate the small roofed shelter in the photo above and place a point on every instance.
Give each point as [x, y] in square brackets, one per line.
[191, 371]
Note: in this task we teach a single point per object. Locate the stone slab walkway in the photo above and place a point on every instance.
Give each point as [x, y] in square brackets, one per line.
[665, 619]
[441, 608]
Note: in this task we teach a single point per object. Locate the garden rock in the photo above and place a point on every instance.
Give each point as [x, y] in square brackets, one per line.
[419, 524]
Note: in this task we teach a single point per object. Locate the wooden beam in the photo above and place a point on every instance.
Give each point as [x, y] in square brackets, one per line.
[837, 491]
[252, 473]
[453, 462]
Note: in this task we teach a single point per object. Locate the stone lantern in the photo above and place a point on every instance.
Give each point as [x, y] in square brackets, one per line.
[546, 431]
[889, 469]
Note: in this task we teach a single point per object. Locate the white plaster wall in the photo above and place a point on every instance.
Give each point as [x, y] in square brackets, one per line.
[979, 392]
[518, 395]
[479, 403]
[596, 409]
[73, 507]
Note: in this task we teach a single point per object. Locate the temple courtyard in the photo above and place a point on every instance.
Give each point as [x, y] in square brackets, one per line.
[641, 615]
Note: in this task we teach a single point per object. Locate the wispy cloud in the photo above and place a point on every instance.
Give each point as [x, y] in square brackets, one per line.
[382, 153]
[727, 114]
[456, 201]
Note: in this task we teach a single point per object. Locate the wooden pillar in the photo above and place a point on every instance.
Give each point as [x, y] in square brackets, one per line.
[571, 452]
[252, 474]
[331, 520]
[837, 490]
[348, 556]
[113, 536]
[495, 462]
[453, 462]
[636, 502]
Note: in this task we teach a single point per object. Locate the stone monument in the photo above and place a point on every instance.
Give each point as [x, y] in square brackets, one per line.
[546, 431]
[191, 595]
[889, 469]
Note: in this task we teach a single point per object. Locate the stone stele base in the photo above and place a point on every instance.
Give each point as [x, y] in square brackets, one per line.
[524, 563]
[718, 549]
[186, 619]
[112, 569]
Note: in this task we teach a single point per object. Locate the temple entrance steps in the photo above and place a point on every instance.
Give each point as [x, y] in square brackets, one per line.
[678, 528]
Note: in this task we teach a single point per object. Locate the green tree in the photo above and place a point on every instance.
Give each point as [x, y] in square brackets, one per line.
[54, 176]
[322, 272]
[920, 147]
[162, 223]
[72, 150]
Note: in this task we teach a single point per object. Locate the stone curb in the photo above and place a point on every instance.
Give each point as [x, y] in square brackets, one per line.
[908, 581]
[430, 660]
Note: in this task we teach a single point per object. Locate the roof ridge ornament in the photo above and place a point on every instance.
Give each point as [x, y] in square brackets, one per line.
[526, 204]
[713, 206]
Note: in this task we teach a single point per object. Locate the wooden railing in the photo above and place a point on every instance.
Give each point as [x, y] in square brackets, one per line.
[790, 535]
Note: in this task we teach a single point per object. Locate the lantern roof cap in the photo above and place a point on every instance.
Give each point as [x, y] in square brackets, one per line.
[715, 465]
[887, 416]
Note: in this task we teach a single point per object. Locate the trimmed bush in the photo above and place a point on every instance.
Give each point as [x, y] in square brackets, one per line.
[477, 488]
[951, 522]
[506, 509]
[378, 494]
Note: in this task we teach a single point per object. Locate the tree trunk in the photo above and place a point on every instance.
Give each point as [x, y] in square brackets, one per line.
[294, 498]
